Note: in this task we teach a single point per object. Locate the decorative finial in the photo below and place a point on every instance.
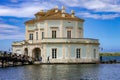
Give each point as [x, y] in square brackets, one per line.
[63, 11]
[56, 9]
[72, 13]
[63, 8]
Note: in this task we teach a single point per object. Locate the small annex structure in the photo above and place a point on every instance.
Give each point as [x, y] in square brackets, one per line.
[57, 37]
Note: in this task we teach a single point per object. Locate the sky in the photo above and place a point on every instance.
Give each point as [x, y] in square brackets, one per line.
[102, 19]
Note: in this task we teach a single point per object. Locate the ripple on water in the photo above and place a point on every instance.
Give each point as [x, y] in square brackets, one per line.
[62, 72]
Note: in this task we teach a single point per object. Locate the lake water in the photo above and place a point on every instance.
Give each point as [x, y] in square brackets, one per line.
[107, 58]
[62, 72]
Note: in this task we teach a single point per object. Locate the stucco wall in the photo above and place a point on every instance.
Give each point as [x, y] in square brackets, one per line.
[68, 51]
[61, 26]
[65, 52]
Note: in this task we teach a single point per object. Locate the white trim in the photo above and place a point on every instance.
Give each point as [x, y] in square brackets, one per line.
[54, 27]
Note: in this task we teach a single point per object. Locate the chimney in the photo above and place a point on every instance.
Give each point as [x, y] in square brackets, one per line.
[72, 13]
[63, 11]
[56, 9]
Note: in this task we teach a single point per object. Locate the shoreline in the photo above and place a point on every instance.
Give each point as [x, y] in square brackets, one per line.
[39, 63]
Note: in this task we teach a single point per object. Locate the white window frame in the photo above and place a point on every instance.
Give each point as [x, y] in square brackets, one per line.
[54, 53]
[36, 35]
[54, 34]
[78, 53]
[69, 34]
[31, 36]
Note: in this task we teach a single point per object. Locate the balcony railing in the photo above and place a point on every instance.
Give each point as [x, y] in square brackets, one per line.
[59, 40]
[18, 42]
[69, 40]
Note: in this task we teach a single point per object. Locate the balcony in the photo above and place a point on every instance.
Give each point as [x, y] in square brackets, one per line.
[71, 40]
[18, 43]
[58, 40]
[24, 42]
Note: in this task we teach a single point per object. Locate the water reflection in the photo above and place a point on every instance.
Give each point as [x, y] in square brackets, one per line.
[62, 72]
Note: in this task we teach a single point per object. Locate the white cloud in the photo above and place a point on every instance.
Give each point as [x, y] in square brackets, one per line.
[27, 9]
[95, 5]
[17, 36]
[98, 16]
[105, 7]
[4, 26]
[10, 32]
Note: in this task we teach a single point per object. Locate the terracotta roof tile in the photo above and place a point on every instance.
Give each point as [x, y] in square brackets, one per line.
[52, 15]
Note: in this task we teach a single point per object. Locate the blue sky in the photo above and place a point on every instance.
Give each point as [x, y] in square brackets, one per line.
[102, 19]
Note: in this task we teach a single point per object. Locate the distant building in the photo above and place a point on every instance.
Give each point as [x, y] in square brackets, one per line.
[57, 36]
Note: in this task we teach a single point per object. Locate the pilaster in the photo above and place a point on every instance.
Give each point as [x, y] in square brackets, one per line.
[63, 51]
[76, 30]
[61, 28]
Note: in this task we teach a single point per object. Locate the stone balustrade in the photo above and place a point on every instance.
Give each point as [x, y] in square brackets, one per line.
[60, 40]
[71, 40]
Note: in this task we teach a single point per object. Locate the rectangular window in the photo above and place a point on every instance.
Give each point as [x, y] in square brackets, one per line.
[42, 35]
[78, 53]
[54, 53]
[53, 34]
[94, 53]
[30, 36]
[68, 34]
[36, 35]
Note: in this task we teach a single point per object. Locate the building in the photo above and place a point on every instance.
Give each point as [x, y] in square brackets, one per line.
[57, 36]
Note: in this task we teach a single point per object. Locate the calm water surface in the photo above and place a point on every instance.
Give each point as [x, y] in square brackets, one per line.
[62, 72]
[107, 58]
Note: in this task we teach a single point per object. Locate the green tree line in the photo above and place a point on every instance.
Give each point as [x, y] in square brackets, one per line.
[109, 54]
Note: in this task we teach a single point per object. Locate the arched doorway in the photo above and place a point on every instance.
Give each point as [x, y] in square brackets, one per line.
[26, 51]
[36, 53]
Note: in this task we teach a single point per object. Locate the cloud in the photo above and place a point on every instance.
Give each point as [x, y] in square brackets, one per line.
[10, 32]
[98, 16]
[95, 5]
[18, 36]
[89, 7]
[4, 26]
[26, 9]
